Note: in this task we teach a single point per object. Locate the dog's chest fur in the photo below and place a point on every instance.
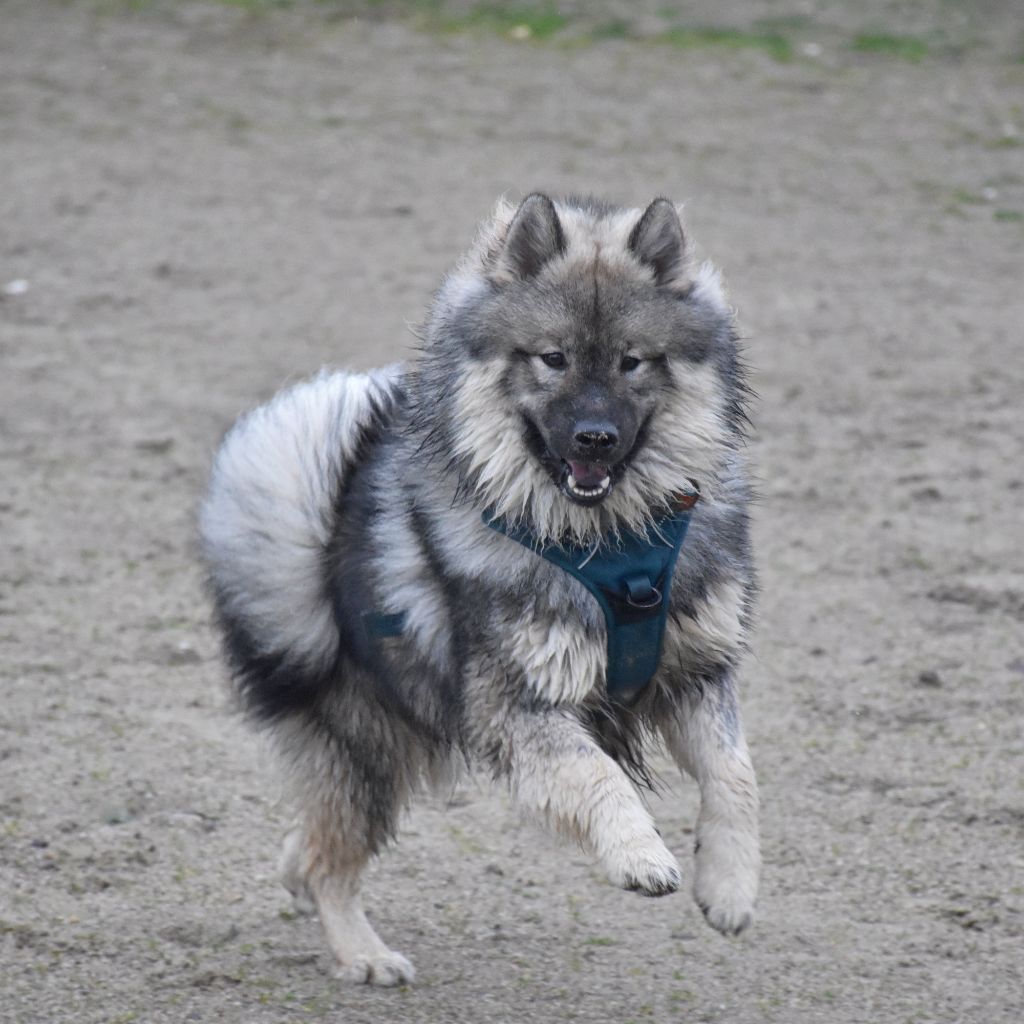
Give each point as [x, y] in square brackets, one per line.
[528, 614]
[562, 656]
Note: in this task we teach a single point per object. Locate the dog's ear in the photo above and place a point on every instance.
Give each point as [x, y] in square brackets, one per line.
[658, 242]
[534, 237]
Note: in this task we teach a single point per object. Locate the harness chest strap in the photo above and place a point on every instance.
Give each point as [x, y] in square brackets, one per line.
[631, 581]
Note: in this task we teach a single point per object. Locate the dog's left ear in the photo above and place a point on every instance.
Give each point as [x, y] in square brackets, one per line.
[658, 242]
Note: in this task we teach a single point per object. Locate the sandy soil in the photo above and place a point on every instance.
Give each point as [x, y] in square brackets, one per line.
[199, 202]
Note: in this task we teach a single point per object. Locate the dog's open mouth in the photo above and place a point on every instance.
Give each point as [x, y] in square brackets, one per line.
[586, 483]
[582, 482]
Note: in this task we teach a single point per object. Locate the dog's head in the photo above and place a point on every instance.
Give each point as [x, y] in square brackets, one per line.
[583, 371]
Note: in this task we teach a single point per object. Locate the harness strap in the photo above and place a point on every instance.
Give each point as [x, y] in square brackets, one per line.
[384, 624]
[630, 578]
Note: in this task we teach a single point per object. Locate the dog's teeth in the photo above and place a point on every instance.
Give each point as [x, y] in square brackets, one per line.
[587, 492]
[590, 492]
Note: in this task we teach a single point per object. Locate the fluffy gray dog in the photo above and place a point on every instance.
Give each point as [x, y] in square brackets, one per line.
[526, 549]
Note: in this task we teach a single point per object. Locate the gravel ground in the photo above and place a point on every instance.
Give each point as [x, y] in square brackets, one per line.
[201, 201]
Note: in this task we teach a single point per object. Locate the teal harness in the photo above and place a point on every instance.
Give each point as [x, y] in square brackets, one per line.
[630, 578]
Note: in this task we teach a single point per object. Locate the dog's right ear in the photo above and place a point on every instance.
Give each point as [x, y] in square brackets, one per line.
[534, 237]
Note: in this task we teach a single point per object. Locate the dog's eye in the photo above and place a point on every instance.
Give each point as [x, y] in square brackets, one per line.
[553, 359]
[628, 364]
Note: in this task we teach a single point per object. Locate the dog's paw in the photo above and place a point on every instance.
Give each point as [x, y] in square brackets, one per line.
[729, 916]
[725, 889]
[645, 867]
[384, 969]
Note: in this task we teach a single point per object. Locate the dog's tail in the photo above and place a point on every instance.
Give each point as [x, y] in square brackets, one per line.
[266, 527]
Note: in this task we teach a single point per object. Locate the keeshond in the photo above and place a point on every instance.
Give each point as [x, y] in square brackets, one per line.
[525, 549]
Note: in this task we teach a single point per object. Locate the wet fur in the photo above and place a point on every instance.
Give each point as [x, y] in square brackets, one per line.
[354, 492]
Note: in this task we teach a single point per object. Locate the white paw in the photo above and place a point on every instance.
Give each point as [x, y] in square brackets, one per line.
[644, 866]
[725, 887]
[730, 914]
[385, 969]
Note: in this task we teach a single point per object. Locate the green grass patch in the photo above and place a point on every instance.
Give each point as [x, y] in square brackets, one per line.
[539, 22]
[617, 28]
[773, 43]
[968, 198]
[256, 6]
[1008, 216]
[115, 7]
[885, 45]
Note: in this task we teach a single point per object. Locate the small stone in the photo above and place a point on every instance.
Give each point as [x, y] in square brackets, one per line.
[117, 814]
[155, 445]
[928, 677]
[180, 654]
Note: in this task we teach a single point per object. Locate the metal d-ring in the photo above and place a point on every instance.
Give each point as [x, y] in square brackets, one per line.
[652, 601]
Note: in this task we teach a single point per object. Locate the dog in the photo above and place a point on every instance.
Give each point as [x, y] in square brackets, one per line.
[399, 563]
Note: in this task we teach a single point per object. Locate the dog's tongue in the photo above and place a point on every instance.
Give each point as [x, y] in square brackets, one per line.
[588, 474]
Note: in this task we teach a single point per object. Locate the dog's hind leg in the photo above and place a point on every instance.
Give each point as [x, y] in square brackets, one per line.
[362, 956]
[347, 812]
[556, 768]
[704, 735]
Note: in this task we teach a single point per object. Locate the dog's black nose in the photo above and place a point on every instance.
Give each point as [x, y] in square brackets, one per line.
[596, 437]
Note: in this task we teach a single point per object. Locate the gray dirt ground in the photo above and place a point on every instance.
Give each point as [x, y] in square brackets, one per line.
[208, 200]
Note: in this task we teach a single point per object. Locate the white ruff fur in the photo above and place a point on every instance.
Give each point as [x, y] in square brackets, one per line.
[687, 441]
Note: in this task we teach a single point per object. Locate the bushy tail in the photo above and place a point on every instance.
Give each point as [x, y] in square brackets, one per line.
[266, 526]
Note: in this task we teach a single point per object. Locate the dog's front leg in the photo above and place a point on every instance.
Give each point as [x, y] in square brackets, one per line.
[704, 735]
[556, 768]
